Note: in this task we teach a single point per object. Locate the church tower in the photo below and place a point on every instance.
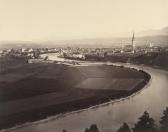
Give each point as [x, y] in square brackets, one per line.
[133, 45]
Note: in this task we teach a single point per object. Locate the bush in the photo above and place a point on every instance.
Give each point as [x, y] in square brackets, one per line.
[124, 128]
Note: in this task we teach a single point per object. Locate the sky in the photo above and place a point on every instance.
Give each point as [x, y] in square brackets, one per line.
[43, 20]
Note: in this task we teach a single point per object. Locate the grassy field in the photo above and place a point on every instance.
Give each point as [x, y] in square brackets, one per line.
[35, 91]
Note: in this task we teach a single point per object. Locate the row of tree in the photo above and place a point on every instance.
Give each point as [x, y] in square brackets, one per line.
[144, 124]
[147, 124]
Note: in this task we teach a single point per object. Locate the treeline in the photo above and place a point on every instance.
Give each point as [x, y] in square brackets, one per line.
[145, 124]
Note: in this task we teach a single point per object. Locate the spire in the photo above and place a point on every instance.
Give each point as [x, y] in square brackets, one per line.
[133, 38]
[133, 46]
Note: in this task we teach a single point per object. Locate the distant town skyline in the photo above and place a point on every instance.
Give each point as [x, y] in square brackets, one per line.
[43, 20]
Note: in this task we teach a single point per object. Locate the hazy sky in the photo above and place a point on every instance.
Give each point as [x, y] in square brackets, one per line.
[34, 20]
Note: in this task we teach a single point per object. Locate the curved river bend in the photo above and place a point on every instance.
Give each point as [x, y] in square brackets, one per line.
[110, 116]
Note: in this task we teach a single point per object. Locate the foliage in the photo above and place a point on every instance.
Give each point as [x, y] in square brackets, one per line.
[145, 124]
[64, 130]
[124, 128]
[164, 121]
[93, 128]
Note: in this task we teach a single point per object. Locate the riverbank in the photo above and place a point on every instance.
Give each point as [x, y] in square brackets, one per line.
[49, 89]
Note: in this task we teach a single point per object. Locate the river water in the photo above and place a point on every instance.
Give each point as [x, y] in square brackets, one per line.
[110, 116]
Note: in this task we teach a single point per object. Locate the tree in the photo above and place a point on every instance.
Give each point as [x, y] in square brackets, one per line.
[145, 124]
[124, 128]
[64, 130]
[86, 130]
[93, 128]
[164, 121]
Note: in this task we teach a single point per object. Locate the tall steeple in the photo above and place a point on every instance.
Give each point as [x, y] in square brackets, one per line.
[133, 45]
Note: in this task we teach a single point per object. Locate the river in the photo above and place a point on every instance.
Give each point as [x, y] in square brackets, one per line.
[110, 116]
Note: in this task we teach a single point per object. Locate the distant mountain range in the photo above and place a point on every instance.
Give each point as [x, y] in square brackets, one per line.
[157, 37]
[154, 32]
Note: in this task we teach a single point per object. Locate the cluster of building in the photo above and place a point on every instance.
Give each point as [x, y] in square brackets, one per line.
[129, 50]
[81, 53]
[17, 52]
[126, 49]
[26, 52]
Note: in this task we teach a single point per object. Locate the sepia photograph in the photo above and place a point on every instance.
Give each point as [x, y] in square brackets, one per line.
[83, 65]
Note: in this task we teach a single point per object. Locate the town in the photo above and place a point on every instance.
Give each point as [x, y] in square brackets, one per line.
[118, 53]
[84, 53]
